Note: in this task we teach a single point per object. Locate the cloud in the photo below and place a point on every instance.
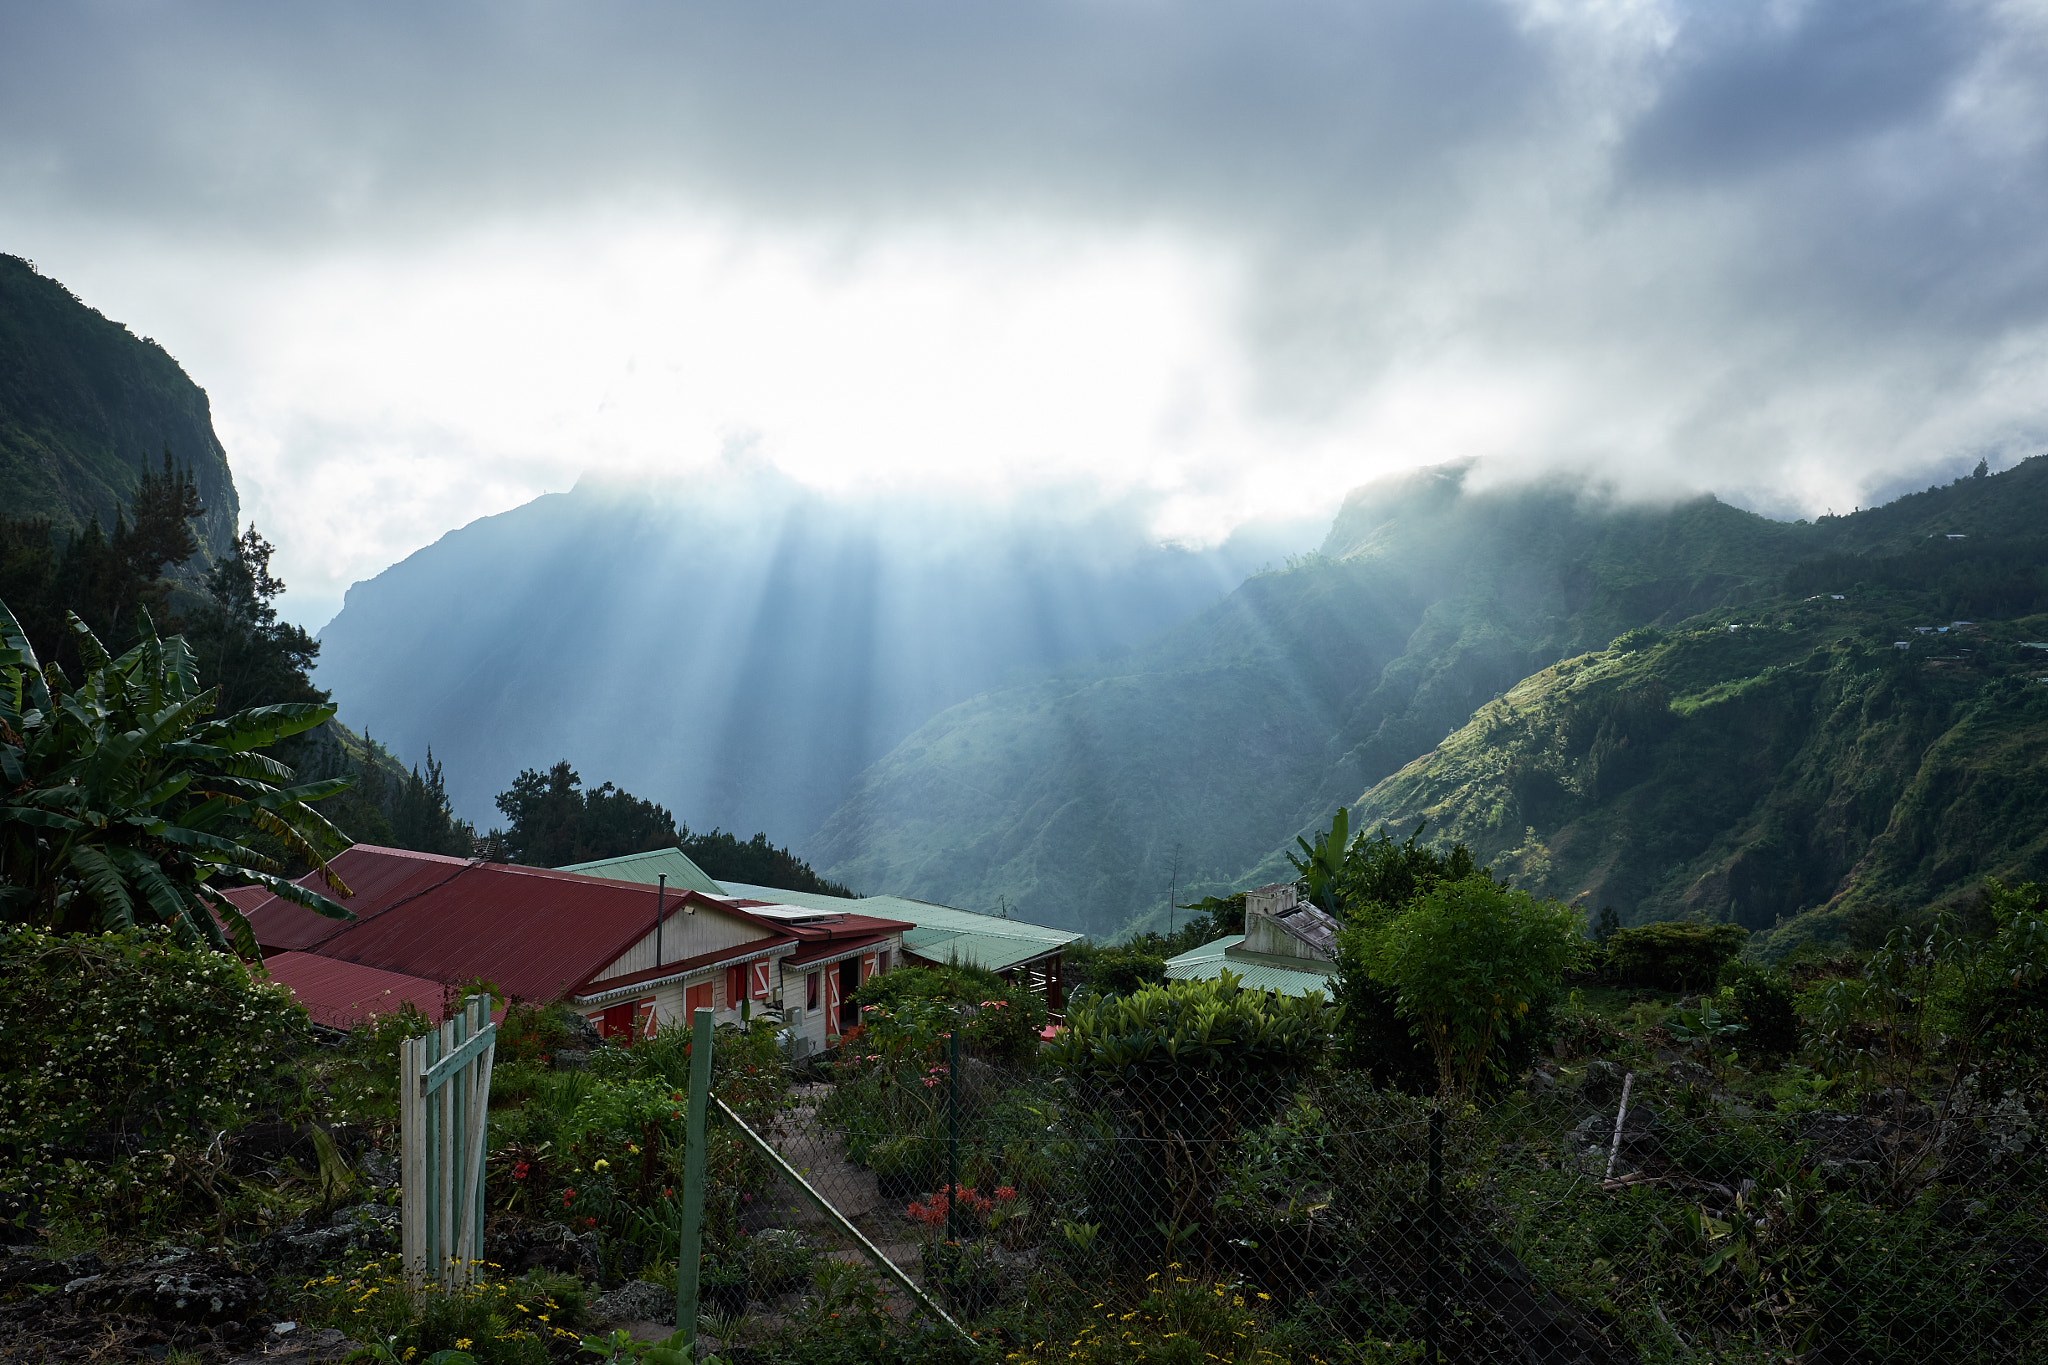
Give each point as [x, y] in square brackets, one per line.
[433, 260]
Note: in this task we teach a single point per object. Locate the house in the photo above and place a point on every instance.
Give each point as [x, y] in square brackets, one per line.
[1030, 954]
[1287, 946]
[635, 958]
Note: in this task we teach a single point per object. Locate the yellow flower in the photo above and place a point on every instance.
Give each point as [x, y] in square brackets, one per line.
[462, 1343]
[600, 1164]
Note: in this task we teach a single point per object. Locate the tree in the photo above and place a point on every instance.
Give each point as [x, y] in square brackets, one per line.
[251, 655]
[1378, 881]
[124, 801]
[553, 821]
[1467, 962]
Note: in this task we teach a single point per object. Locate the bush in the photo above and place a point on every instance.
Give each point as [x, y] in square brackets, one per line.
[1119, 971]
[125, 1055]
[1674, 957]
[1763, 1002]
[1471, 964]
[1003, 1017]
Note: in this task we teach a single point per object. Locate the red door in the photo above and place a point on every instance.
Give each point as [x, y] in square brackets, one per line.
[617, 1022]
[832, 1004]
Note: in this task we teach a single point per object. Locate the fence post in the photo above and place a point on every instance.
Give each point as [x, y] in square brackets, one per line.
[1433, 1323]
[690, 1245]
[953, 1137]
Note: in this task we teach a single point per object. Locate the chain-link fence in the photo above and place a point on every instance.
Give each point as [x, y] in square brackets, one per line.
[1316, 1217]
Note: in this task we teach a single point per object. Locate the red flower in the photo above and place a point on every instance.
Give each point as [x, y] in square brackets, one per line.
[1006, 1192]
[519, 1171]
[590, 1222]
[567, 1195]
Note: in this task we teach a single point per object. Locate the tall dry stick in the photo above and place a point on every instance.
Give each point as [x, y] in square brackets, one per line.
[1620, 1117]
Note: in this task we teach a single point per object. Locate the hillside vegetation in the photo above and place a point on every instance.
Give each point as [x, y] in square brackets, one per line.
[1429, 603]
[87, 407]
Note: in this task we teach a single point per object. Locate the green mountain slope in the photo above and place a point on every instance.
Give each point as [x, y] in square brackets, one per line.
[86, 406]
[1199, 756]
[1796, 774]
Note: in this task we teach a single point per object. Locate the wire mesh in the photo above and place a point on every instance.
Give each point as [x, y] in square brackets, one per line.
[1295, 1217]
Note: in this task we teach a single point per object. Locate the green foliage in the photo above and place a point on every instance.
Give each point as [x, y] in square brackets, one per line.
[1119, 971]
[1467, 962]
[526, 1321]
[125, 1054]
[907, 1013]
[125, 800]
[1321, 864]
[1764, 1002]
[1380, 877]
[1212, 1027]
[253, 657]
[553, 821]
[1674, 957]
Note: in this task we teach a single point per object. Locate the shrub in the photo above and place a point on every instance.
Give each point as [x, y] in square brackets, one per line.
[125, 1054]
[1119, 971]
[1674, 957]
[498, 1322]
[1763, 1002]
[1002, 1017]
[1469, 963]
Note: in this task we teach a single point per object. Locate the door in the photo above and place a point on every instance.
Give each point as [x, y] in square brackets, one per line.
[617, 1022]
[848, 977]
[832, 1004]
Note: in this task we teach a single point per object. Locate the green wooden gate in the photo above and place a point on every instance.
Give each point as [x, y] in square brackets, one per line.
[444, 1090]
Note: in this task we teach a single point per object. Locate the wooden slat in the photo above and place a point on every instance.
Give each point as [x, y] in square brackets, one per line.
[436, 1076]
[413, 1166]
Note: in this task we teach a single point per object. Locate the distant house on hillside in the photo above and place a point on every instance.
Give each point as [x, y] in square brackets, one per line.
[426, 925]
[1287, 946]
[1030, 954]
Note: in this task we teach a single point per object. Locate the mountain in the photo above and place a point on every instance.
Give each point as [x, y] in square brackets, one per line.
[86, 407]
[1199, 756]
[736, 648]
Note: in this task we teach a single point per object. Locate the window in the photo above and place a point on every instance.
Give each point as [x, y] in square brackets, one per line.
[735, 986]
[882, 961]
[811, 991]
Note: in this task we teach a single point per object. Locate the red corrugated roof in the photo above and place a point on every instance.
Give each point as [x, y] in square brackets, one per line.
[245, 898]
[536, 934]
[344, 994]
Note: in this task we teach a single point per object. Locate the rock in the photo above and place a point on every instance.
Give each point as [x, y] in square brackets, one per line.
[201, 1292]
[637, 1301]
[324, 1347]
[1602, 1081]
[519, 1245]
[571, 1058]
[366, 1230]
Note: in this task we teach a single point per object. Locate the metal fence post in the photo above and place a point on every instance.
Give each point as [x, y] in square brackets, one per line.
[1433, 1323]
[953, 1137]
[690, 1247]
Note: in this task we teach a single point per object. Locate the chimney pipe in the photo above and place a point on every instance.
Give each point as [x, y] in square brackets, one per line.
[660, 905]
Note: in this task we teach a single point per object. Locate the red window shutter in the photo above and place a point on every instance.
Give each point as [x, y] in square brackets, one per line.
[644, 1023]
[832, 1004]
[696, 998]
[761, 981]
[867, 967]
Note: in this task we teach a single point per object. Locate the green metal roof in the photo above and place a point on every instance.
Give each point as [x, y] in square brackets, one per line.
[649, 867]
[1259, 971]
[943, 933]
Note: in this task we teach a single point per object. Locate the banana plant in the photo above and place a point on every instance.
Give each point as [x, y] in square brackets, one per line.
[1322, 863]
[124, 802]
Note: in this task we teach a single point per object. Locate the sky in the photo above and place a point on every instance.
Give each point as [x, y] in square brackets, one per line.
[1214, 260]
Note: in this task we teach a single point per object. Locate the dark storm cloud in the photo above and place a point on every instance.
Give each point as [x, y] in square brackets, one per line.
[304, 117]
[1751, 87]
[1751, 232]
